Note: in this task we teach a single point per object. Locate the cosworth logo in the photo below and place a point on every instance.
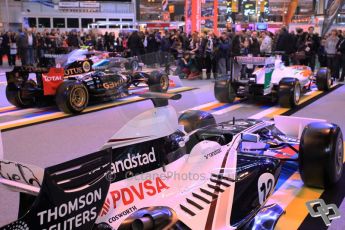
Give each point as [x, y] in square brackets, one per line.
[133, 161]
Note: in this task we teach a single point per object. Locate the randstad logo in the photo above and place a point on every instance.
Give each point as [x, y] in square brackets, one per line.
[133, 161]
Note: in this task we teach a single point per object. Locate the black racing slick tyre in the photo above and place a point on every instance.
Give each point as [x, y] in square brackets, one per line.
[195, 119]
[224, 92]
[323, 79]
[20, 97]
[321, 155]
[289, 92]
[72, 97]
[158, 82]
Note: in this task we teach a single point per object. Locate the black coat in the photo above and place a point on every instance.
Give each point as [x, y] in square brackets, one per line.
[152, 45]
[254, 47]
[341, 46]
[236, 45]
[284, 43]
[315, 43]
[72, 40]
[301, 42]
[135, 43]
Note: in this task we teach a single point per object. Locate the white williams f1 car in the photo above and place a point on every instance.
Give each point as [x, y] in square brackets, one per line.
[164, 172]
[268, 77]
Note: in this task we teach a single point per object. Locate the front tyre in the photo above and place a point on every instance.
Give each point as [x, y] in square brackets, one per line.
[158, 82]
[321, 154]
[224, 91]
[72, 97]
[323, 79]
[21, 97]
[289, 92]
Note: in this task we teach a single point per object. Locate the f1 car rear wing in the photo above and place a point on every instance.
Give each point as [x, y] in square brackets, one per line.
[70, 197]
[259, 61]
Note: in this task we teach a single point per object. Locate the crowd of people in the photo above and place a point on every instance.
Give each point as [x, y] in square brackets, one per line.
[194, 52]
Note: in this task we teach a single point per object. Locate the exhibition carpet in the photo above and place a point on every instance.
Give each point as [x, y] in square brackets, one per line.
[13, 118]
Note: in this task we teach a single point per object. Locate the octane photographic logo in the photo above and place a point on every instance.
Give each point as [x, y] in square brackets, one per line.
[328, 212]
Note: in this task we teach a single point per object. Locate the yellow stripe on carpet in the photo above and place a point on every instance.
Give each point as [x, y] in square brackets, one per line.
[59, 115]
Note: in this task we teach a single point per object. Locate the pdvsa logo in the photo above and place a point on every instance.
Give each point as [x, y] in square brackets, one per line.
[129, 195]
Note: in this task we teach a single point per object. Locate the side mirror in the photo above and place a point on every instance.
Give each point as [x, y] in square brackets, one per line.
[250, 137]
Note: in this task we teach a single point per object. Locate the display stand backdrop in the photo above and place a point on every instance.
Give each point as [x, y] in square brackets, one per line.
[209, 14]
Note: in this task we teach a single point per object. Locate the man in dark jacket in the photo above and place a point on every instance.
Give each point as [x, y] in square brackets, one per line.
[22, 47]
[236, 44]
[341, 51]
[72, 40]
[312, 46]
[223, 54]
[285, 45]
[300, 57]
[135, 43]
[254, 47]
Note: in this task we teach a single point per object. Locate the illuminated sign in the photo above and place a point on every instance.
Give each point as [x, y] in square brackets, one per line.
[249, 8]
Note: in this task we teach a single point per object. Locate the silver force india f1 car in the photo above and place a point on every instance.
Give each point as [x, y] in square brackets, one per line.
[268, 77]
[164, 172]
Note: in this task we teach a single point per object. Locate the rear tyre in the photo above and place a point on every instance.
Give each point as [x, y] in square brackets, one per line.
[72, 97]
[17, 96]
[321, 155]
[289, 92]
[224, 91]
[323, 79]
[158, 82]
[196, 119]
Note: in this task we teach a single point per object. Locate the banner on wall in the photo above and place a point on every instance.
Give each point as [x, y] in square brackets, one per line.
[164, 5]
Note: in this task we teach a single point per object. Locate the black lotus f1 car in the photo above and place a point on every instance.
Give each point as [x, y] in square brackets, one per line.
[72, 89]
[177, 173]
